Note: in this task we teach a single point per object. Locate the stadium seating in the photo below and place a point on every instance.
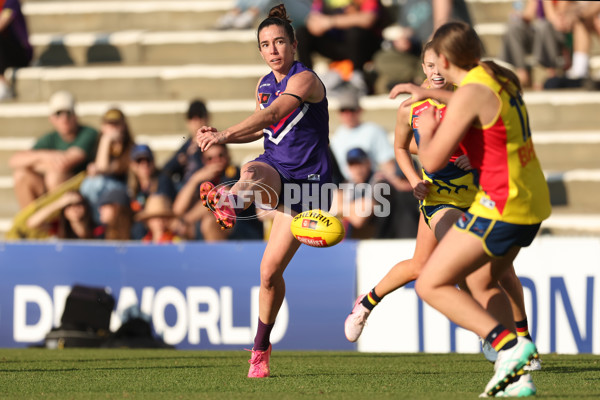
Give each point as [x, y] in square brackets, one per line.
[151, 57]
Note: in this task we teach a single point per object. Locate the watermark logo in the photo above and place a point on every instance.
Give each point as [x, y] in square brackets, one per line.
[362, 200]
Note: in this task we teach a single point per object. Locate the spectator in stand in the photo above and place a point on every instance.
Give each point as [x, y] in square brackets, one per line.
[145, 180]
[370, 201]
[583, 17]
[537, 29]
[298, 11]
[368, 136]
[15, 50]
[74, 219]
[110, 169]
[188, 159]
[342, 30]
[116, 217]
[244, 14]
[400, 60]
[201, 222]
[158, 216]
[57, 156]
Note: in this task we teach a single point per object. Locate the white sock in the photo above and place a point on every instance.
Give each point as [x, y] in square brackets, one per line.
[579, 68]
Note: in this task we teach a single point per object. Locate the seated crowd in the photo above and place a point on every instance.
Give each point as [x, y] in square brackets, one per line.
[80, 183]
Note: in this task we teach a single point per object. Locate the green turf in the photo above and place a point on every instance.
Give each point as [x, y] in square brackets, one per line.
[176, 374]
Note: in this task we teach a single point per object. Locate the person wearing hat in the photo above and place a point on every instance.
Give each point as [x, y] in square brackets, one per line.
[114, 146]
[111, 167]
[56, 156]
[158, 217]
[145, 180]
[369, 136]
[115, 216]
[188, 159]
[370, 190]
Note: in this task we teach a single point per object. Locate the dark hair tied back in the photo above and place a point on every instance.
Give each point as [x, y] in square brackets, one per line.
[278, 16]
[280, 12]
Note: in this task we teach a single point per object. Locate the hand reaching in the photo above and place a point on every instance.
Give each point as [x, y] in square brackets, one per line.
[206, 136]
[421, 190]
[463, 163]
[417, 92]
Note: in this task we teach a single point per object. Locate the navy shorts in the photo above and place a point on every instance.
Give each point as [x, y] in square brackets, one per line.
[497, 236]
[299, 195]
[429, 211]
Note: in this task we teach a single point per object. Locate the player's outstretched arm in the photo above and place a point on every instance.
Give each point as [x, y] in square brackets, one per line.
[403, 136]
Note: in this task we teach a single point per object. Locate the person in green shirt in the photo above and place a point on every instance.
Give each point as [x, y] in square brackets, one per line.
[56, 156]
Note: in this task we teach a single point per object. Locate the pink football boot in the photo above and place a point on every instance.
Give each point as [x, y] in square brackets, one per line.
[259, 364]
[210, 197]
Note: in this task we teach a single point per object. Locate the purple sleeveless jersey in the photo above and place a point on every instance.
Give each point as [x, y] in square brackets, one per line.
[297, 146]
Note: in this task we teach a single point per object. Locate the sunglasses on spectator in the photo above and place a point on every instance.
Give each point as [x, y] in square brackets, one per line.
[345, 109]
[66, 113]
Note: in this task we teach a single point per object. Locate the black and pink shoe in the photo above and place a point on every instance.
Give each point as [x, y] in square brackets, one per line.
[211, 199]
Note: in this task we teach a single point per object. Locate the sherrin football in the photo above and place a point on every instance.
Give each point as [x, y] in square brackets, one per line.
[317, 228]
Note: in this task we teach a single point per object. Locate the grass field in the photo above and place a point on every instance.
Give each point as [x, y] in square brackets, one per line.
[175, 374]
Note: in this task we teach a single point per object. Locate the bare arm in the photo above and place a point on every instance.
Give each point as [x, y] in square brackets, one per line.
[6, 17]
[403, 137]
[470, 103]
[44, 160]
[419, 93]
[442, 10]
[42, 215]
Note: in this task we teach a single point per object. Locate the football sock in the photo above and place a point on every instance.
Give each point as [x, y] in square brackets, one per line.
[263, 336]
[523, 329]
[501, 338]
[371, 300]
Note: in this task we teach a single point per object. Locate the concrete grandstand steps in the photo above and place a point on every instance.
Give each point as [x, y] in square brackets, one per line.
[94, 15]
[576, 190]
[137, 47]
[560, 111]
[571, 224]
[90, 16]
[490, 11]
[560, 151]
[112, 83]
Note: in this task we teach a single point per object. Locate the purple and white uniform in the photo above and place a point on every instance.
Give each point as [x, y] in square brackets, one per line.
[297, 146]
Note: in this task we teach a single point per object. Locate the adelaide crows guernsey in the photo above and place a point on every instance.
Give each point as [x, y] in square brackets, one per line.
[451, 185]
[298, 144]
[512, 187]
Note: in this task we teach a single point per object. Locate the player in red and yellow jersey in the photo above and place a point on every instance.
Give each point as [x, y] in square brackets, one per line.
[488, 118]
[444, 195]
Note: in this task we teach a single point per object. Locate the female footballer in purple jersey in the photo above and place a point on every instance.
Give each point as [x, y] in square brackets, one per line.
[291, 114]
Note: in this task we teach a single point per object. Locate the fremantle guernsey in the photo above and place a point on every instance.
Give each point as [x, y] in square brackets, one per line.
[297, 146]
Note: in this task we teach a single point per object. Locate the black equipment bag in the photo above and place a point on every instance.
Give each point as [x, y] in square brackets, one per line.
[88, 309]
